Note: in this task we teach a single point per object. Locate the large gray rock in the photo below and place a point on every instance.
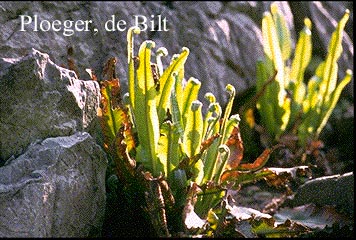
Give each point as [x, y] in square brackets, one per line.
[55, 189]
[39, 99]
[335, 190]
[224, 37]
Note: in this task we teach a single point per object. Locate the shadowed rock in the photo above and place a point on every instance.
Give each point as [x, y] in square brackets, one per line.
[55, 189]
[336, 190]
[38, 99]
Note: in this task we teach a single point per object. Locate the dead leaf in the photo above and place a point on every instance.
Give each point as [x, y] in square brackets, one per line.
[244, 213]
[243, 177]
[236, 147]
[109, 72]
[279, 177]
[312, 216]
[156, 207]
[91, 74]
[190, 218]
[260, 161]
[207, 143]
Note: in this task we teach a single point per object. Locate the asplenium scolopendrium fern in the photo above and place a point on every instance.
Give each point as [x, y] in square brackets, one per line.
[308, 108]
[179, 154]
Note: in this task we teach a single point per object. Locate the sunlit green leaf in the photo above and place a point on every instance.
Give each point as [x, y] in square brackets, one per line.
[146, 112]
[334, 99]
[167, 81]
[193, 130]
[283, 33]
[334, 53]
[190, 94]
[130, 62]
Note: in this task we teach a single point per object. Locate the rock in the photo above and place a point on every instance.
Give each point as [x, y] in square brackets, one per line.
[224, 37]
[49, 187]
[39, 99]
[336, 190]
[212, 31]
[55, 189]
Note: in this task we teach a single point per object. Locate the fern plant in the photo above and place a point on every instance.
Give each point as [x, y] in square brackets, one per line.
[165, 149]
[308, 107]
[175, 140]
[179, 163]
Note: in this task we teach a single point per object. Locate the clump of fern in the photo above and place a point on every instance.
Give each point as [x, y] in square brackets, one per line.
[290, 105]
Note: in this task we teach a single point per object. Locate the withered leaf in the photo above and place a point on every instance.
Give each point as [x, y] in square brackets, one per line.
[278, 177]
[156, 76]
[243, 177]
[236, 147]
[114, 115]
[312, 216]
[244, 213]
[112, 91]
[207, 143]
[91, 74]
[156, 207]
[260, 161]
[190, 218]
[109, 72]
[122, 149]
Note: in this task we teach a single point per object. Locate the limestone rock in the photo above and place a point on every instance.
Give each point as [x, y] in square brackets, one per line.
[55, 189]
[224, 37]
[224, 42]
[39, 99]
[336, 190]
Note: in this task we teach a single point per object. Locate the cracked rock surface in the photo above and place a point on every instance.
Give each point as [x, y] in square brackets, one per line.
[224, 38]
[55, 189]
[39, 99]
[52, 171]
